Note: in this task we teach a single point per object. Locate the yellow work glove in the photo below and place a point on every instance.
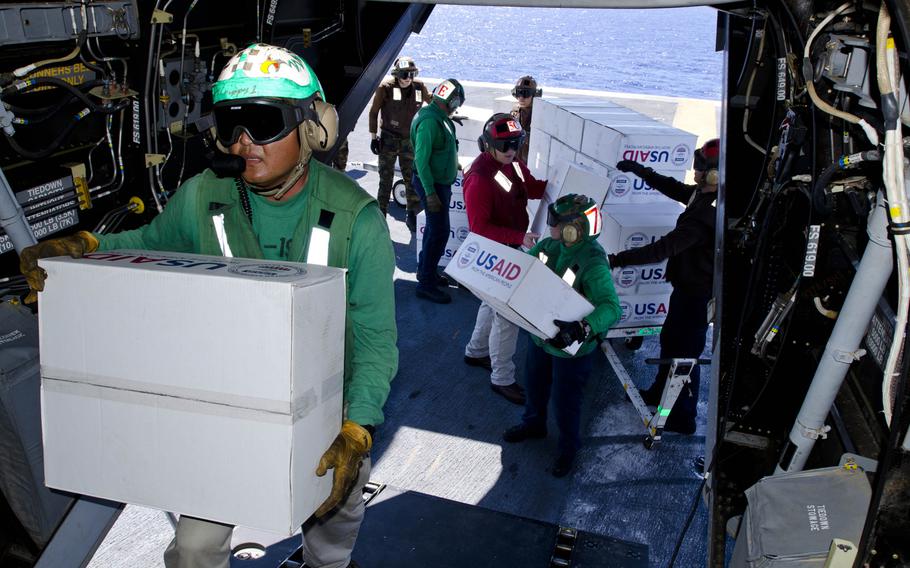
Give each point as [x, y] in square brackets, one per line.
[344, 456]
[74, 245]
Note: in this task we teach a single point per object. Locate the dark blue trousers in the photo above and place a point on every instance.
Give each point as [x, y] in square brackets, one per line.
[683, 335]
[563, 377]
[435, 234]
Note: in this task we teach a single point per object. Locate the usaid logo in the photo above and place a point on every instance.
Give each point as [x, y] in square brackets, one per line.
[621, 185]
[627, 277]
[651, 309]
[469, 251]
[639, 185]
[655, 274]
[680, 155]
[626, 308]
[264, 270]
[457, 204]
[647, 156]
[636, 240]
[462, 233]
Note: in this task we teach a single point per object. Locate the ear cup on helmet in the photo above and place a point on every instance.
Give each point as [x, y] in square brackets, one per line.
[481, 144]
[214, 132]
[571, 233]
[712, 176]
[321, 136]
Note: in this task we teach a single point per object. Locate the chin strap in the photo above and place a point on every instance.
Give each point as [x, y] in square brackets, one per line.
[278, 191]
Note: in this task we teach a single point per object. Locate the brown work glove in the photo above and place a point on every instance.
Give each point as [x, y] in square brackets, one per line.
[74, 245]
[344, 456]
[434, 204]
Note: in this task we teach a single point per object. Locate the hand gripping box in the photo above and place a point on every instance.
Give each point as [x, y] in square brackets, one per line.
[518, 286]
[200, 385]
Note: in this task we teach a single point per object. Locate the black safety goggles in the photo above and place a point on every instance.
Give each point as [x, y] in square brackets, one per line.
[554, 218]
[264, 121]
[507, 144]
[407, 74]
[524, 93]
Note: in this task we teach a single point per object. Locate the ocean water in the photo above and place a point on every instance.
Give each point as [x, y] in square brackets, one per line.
[656, 52]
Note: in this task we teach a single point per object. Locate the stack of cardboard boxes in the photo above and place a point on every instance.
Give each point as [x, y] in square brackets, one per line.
[575, 144]
[458, 223]
[160, 388]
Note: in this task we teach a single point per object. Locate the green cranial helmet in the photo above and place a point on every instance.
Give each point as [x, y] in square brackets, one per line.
[577, 217]
[263, 70]
[451, 93]
[266, 92]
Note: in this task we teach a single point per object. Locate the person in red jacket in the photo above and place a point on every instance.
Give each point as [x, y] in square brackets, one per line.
[497, 187]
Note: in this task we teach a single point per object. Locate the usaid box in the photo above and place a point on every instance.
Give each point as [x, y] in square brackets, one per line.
[518, 286]
[652, 144]
[633, 226]
[573, 178]
[458, 232]
[626, 187]
[539, 153]
[642, 279]
[201, 385]
[643, 310]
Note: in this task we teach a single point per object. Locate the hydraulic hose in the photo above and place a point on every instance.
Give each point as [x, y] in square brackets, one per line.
[29, 84]
[61, 136]
[51, 109]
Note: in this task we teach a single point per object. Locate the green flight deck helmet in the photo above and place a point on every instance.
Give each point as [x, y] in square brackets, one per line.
[267, 91]
[577, 216]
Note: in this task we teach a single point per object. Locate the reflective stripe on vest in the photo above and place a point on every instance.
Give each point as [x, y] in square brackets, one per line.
[396, 94]
[543, 258]
[569, 277]
[503, 181]
[218, 222]
[318, 251]
[521, 176]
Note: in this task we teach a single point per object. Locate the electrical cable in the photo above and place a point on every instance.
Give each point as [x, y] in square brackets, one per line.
[748, 55]
[746, 109]
[809, 72]
[51, 109]
[899, 208]
[29, 84]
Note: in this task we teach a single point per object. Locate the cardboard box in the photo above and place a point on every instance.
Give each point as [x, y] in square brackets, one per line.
[539, 153]
[642, 279]
[653, 144]
[632, 226]
[518, 286]
[199, 385]
[626, 187]
[560, 154]
[559, 122]
[646, 310]
[458, 232]
[573, 178]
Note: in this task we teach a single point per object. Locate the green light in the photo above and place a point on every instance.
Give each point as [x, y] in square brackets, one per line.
[663, 411]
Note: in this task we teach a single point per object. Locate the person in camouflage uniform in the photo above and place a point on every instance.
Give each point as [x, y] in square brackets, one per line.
[397, 99]
[524, 91]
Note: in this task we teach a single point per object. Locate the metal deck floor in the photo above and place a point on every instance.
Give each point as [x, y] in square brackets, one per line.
[443, 424]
